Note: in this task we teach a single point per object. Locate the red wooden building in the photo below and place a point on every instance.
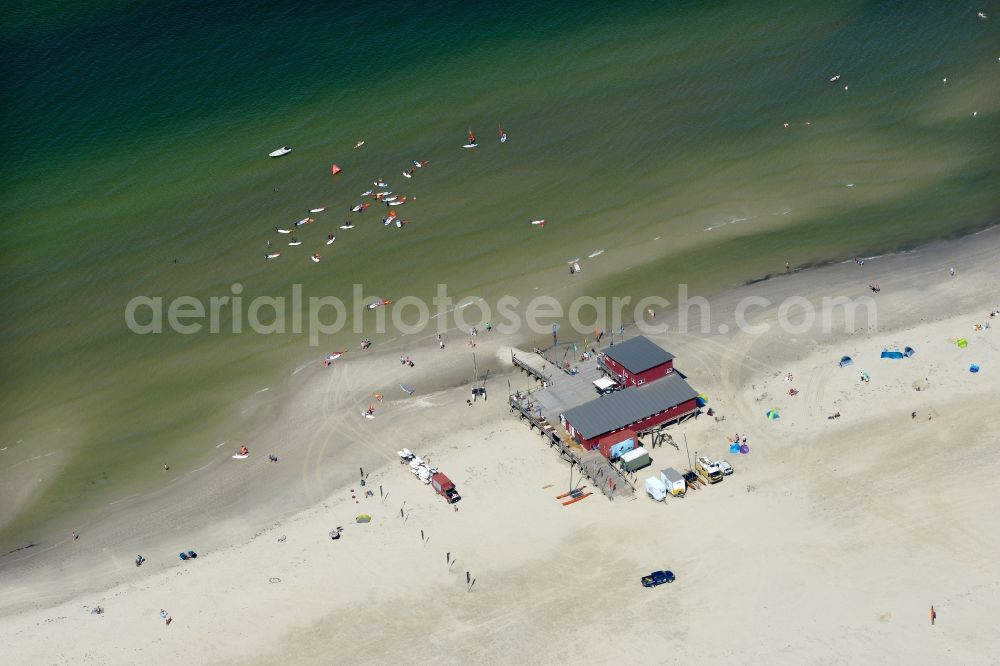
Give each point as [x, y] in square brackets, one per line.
[638, 409]
[637, 361]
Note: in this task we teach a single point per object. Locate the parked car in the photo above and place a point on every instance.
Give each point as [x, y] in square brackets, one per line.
[658, 578]
[726, 468]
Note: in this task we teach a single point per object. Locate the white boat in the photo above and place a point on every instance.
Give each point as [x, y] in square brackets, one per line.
[272, 255]
[406, 174]
[283, 231]
[317, 210]
[284, 150]
[347, 226]
[329, 241]
[304, 220]
[396, 202]
[294, 242]
[470, 145]
[316, 257]
[538, 223]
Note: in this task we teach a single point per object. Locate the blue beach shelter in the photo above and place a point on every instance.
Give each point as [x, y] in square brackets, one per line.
[772, 415]
[974, 368]
[846, 361]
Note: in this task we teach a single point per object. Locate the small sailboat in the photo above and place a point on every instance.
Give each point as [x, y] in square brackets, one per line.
[835, 77]
[347, 225]
[360, 207]
[316, 258]
[304, 220]
[272, 255]
[380, 183]
[317, 210]
[360, 143]
[330, 239]
[283, 231]
[408, 174]
[284, 150]
[420, 163]
[294, 242]
[380, 302]
[538, 223]
[472, 140]
[502, 135]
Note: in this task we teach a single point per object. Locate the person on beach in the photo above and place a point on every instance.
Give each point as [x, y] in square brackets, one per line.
[272, 457]
[951, 271]
[165, 616]
[933, 615]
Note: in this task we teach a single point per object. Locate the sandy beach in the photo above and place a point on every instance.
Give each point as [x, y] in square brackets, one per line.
[828, 544]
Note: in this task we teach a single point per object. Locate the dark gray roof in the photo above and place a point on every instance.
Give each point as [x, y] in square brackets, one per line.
[617, 410]
[638, 354]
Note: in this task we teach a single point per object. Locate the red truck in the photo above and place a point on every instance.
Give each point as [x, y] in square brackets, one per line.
[445, 488]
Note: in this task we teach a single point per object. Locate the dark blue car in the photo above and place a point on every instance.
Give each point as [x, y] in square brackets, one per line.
[658, 578]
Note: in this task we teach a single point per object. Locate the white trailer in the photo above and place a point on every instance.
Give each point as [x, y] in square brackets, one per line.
[673, 481]
[656, 489]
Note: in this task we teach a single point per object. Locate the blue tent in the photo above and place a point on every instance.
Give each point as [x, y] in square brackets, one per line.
[909, 351]
[973, 368]
[846, 361]
[891, 354]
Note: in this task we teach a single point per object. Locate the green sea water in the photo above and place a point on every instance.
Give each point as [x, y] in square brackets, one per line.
[137, 133]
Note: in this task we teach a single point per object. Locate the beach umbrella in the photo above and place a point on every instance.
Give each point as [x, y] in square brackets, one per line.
[363, 518]
[772, 415]
[702, 400]
[744, 449]
[734, 447]
[962, 342]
